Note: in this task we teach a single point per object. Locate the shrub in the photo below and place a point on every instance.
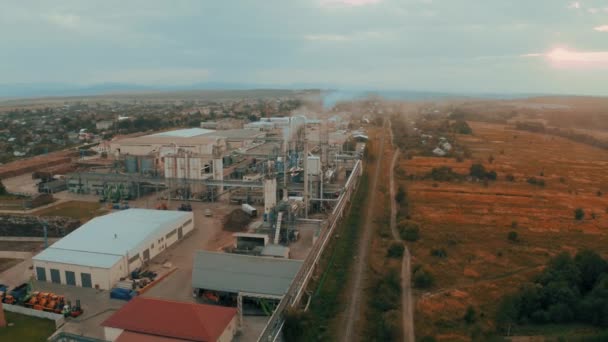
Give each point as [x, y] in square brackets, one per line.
[579, 214]
[470, 315]
[423, 279]
[400, 197]
[439, 252]
[514, 224]
[395, 250]
[510, 178]
[536, 181]
[297, 324]
[409, 232]
[513, 236]
[2, 189]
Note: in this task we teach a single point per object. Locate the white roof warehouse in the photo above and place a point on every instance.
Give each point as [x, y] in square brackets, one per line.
[108, 247]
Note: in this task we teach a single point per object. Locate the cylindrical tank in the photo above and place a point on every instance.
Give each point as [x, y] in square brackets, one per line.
[147, 165]
[131, 164]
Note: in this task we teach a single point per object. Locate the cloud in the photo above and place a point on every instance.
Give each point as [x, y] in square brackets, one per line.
[327, 37]
[603, 28]
[575, 5]
[357, 36]
[64, 20]
[152, 76]
[348, 3]
[572, 59]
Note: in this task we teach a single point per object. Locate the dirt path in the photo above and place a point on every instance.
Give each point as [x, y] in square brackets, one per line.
[406, 273]
[355, 292]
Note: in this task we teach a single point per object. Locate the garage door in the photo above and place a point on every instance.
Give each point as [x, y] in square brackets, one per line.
[41, 273]
[70, 278]
[85, 278]
[55, 277]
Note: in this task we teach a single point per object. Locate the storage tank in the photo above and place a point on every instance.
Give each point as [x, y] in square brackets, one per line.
[147, 165]
[131, 164]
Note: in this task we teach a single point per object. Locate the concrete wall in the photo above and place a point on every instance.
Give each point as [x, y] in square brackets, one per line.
[157, 243]
[57, 318]
[104, 278]
[230, 331]
[111, 334]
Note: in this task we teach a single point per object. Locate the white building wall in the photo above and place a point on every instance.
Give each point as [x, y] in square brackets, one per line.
[104, 278]
[111, 334]
[160, 241]
[230, 331]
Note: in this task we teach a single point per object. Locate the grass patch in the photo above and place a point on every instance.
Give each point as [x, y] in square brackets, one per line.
[327, 299]
[79, 210]
[26, 328]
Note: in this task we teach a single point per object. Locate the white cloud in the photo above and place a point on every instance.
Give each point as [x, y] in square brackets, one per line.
[152, 76]
[572, 59]
[64, 20]
[602, 28]
[575, 5]
[358, 36]
[348, 3]
[327, 37]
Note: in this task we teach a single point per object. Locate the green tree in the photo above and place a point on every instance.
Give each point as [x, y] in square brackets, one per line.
[591, 266]
[470, 316]
[513, 236]
[579, 214]
[2, 188]
[423, 279]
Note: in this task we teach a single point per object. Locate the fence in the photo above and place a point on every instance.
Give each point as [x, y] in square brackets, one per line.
[57, 318]
[274, 326]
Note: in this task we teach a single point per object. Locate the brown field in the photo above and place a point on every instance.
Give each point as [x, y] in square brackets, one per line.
[79, 210]
[471, 221]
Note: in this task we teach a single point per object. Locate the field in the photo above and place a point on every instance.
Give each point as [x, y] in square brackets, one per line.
[471, 221]
[26, 328]
[79, 210]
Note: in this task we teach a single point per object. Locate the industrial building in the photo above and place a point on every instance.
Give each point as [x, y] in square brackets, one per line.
[151, 319]
[109, 247]
[234, 279]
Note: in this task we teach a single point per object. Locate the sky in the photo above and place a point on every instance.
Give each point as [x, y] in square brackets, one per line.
[491, 46]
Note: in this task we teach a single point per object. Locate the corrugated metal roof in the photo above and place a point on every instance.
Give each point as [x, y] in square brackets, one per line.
[113, 234]
[66, 256]
[183, 133]
[243, 273]
[187, 321]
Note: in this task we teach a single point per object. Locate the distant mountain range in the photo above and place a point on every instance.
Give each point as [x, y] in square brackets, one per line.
[12, 91]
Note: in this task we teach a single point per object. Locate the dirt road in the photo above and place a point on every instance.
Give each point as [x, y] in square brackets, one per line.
[406, 272]
[355, 292]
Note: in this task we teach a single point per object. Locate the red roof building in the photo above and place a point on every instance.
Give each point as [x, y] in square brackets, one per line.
[151, 319]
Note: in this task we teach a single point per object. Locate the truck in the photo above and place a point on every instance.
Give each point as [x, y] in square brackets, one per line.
[249, 210]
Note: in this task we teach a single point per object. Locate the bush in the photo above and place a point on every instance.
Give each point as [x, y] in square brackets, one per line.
[477, 170]
[579, 214]
[2, 189]
[395, 250]
[409, 232]
[439, 252]
[470, 315]
[536, 181]
[423, 279]
[510, 178]
[513, 236]
[400, 197]
[297, 324]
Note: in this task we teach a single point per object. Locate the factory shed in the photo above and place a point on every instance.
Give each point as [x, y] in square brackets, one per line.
[108, 247]
[152, 319]
[243, 274]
